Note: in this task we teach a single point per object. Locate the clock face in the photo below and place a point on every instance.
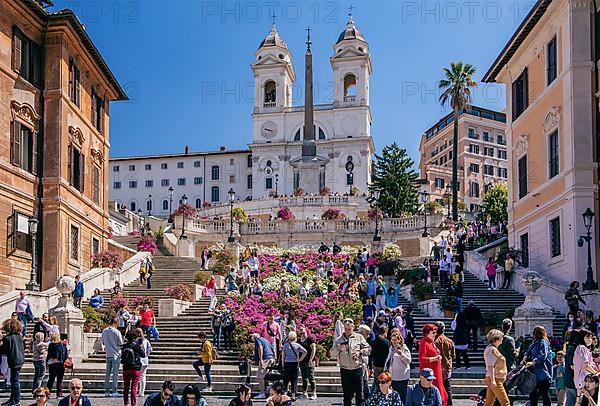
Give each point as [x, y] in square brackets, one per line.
[268, 129]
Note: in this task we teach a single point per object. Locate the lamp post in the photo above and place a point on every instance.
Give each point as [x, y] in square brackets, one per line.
[588, 218]
[276, 185]
[449, 196]
[33, 285]
[424, 200]
[376, 194]
[149, 204]
[184, 200]
[141, 220]
[231, 194]
[171, 204]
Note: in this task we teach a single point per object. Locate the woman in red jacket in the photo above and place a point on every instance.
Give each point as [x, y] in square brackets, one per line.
[430, 357]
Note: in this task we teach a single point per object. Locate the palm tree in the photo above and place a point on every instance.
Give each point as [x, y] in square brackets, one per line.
[457, 92]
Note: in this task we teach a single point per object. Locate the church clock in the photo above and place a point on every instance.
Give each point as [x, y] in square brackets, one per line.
[268, 129]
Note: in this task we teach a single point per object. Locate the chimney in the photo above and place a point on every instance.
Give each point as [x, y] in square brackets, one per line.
[223, 148]
[187, 149]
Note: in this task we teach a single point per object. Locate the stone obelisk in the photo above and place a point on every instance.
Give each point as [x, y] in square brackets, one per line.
[309, 148]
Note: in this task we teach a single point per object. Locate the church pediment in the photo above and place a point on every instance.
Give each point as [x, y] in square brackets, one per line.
[269, 60]
[349, 53]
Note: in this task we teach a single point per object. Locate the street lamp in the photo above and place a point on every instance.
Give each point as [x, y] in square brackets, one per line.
[376, 194]
[149, 204]
[588, 218]
[184, 200]
[424, 200]
[448, 196]
[141, 220]
[276, 185]
[231, 194]
[33, 285]
[171, 204]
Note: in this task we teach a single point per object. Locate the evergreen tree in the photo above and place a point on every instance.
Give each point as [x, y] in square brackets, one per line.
[394, 177]
[495, 203]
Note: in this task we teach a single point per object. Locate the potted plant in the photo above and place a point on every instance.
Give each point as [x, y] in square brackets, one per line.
[422, 290]
[180, 291]
[107, 259]
[160, 236]
[449, 304]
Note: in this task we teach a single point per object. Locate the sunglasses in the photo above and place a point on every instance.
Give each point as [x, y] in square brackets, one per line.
[383, 382]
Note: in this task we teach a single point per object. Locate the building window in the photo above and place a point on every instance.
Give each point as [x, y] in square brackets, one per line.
[132, 206]
[197, 180]
[249, 164]
[163, 166]
[503, 173]
[439, 183]
[97, 111]
[74, 83]
[472, 134]
[502, 154]
[520, 95]
[474, 189]
[268, 183]
[525, 250]
[165, 205]
[501, 139]
[198, 203]
[74, 251]
[231, 162]
[249, 182]
[133, 184]
[76, 168]
[196, 164]
[449, 155]
[488, 151]
[96, 185]
[131, 168]
[522, 177]
[554, 154]
[179, 165]
[474, 149]
[149, 183]
[149, 206]
[23, 147]
[555, 237]
[486, 187]
[116, 185]
[486, 136]
[164, 182]
[181, 182]
[19, 236]
[214, 194]
[551, 61]
[27, 58]
[214, 173]
[474, 168]
[488, 170]
[148, 167]
[95, 245]
[116, 168]
[231, 178]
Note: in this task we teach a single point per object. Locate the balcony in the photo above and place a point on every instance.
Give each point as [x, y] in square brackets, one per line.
[268, 105]
[349, 99]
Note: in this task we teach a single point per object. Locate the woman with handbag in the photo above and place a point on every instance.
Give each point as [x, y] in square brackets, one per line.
[57, 355]
[291, 356]
[539, 356]
[398, 365]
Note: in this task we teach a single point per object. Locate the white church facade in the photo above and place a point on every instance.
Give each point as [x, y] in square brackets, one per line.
[275, 160]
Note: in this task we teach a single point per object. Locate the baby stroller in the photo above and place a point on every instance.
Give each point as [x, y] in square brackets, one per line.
[520, 382]
[275, 374]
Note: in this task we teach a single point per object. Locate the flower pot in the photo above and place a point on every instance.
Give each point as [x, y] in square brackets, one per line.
[160, 241]
[449, 314]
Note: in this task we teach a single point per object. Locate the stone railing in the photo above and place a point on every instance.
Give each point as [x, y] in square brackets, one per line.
[101, 278]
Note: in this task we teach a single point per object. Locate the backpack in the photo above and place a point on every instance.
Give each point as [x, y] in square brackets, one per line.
[128, 357]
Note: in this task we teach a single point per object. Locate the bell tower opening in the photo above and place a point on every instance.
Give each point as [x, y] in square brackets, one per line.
[350, 88]
[270, 94]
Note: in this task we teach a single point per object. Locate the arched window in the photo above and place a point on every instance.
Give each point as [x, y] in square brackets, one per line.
[149, 205]
[132, 206]
[165, 205]
[349, 88]
[321, 134]
[214, 172]
[198, 203]
[318, 130]
[214, 194]
[270, 93]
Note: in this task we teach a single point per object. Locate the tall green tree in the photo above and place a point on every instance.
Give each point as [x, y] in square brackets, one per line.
[495, 203]
[394, 177]
[456, 91]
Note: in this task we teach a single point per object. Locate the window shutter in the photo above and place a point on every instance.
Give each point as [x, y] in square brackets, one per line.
[17, 49]
[514, 99]
[81, 172]
[94, 108]
[70, 166]
[525, 89]
[16, 145]
[71, 81]
[34, 143]
[101, 113]
[77, 86]
[36, 64]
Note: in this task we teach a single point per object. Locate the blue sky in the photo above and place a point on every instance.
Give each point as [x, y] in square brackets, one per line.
[170, 56]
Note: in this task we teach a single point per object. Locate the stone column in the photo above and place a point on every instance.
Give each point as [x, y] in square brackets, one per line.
[70, 318]
[533, 312]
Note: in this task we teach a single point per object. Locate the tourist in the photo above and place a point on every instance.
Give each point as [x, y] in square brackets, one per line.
[112, 341]
[571, 339]
[384, 395]
[123, 316]
[271, 331]
[206, 359]
[40, 326]
[336, 249]
[142, 271]
[391, 296]
[284, 289]
[116, 291]
[495, 370]
[589, 394]
[371, 287]
[243, 396]
[23, 310]
[446, 347]
[380, 349]
[573, 298]
[369, 310]
[509, 267]
[265, 357]
[227, 327]
[57, 354]
[539, 356]
[398, 365]
[508, 348]
[380, 290]
[206, 256]
[277, 396]
[424, 393]
[97, 300]
[458, 293]
[558, 374]
[166, 397]
[147, 319]
[349, 349]
[583, 362]
[443, 272]
[75, 397]
[131, 358]
[231, 280]
[211, 286]
[338, 325]
[307, 365]
[589, 322]
[149, 272]
[40, 354]
[78, 291]
[13, 347]
[491, 270]
[41, 394]
[323, 248]
[461, 340]
[435, 251]
[145, 344]
[430, 357]
[291, 356]
[303, 288]
[474, 319]
[254, 264]
[191, 397]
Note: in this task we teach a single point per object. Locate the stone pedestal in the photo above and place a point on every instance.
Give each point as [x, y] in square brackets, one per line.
[533, 312]
[70, 318]
[234, 248]
[186, 248]
[309, 172]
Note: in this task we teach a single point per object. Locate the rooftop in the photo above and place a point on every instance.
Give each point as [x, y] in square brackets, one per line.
[473, 111]
[181, 155]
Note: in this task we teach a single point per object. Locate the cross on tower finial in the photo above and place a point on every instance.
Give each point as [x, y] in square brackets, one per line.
[350, 9]
[308, 42]
[273, 18]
